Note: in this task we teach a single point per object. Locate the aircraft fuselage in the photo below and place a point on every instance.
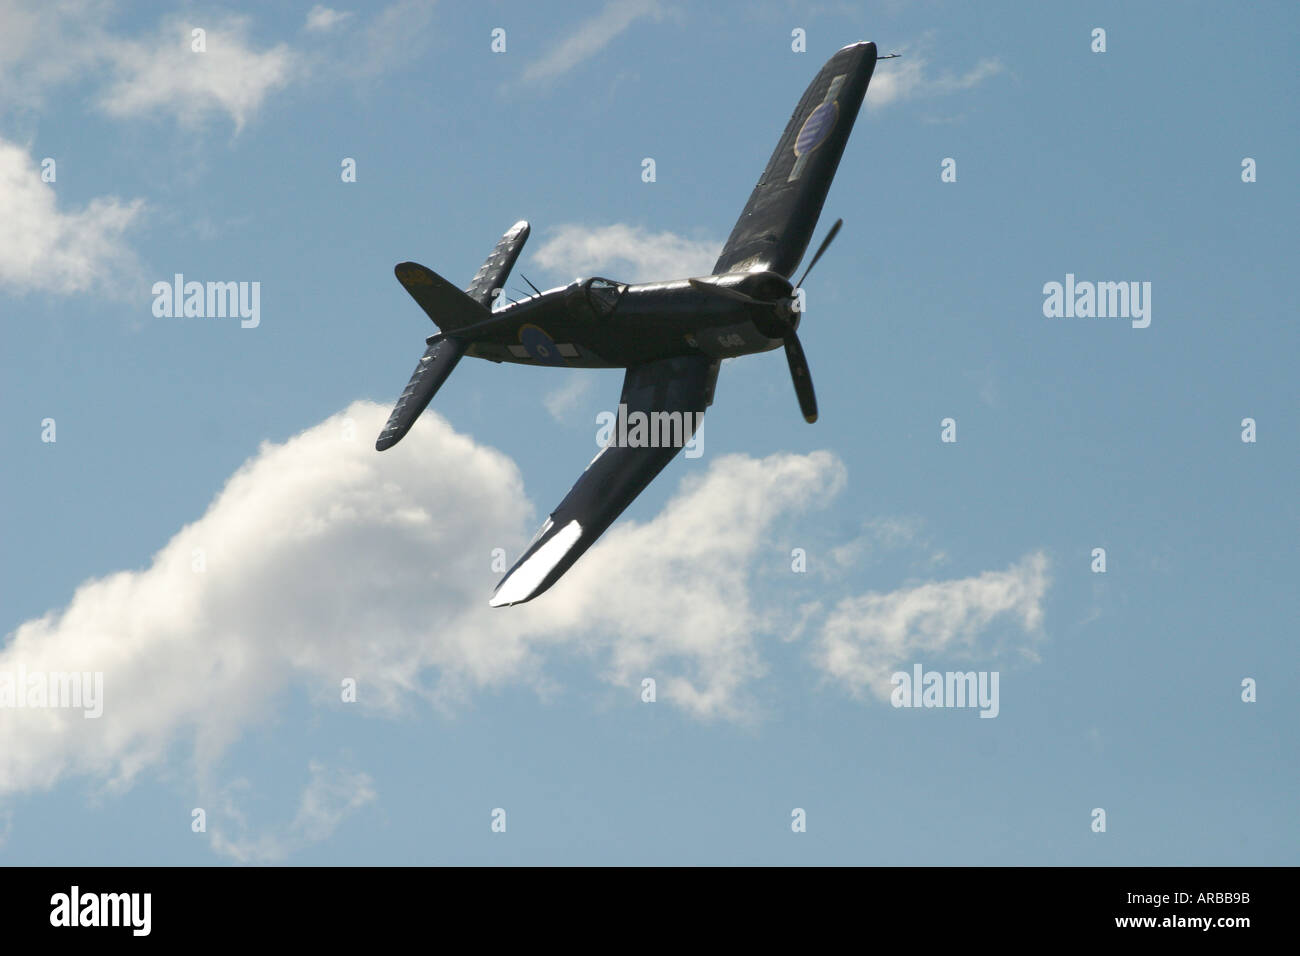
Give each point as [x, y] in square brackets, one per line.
[597, 323]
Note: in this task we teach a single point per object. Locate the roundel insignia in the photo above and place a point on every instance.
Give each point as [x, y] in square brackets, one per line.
[540, 346]
[816, 128]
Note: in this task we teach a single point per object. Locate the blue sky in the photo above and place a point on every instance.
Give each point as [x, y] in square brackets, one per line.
[323, 560]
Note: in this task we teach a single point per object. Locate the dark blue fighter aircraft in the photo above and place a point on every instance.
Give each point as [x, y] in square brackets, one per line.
[670, 336]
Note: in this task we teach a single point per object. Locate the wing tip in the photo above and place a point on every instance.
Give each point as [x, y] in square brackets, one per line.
[863, 45]
[390, 436]
[504, 595]
[535, 571]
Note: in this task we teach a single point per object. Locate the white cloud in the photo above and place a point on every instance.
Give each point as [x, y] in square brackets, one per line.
[46, 44]
[590, 37]
[322, 559]
[330, 796]
[322, 19]
[627, 253]
[45, 249]
[867, 638]
[700, 549]
[164, 74]
[325, 559]
[909, 76]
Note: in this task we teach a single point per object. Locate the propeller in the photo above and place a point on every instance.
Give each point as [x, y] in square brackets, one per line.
[830, 237]
[786, 312]
[803, 387]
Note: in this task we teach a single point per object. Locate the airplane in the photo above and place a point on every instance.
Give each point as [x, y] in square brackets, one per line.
[670, 336]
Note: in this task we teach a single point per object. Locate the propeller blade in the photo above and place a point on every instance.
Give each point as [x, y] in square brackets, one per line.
[820, 249]
[803, 386]
[701, 286]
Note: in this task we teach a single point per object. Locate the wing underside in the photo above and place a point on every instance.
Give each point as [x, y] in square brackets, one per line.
[672, 394]
[778, 221]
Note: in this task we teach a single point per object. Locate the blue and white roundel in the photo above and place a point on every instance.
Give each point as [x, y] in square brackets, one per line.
[816, 128]
[540, 346]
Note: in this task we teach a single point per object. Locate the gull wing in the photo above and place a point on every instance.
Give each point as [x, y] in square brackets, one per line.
[617, 474]
[778, 221]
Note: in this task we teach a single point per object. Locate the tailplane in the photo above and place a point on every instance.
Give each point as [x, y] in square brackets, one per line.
[436, 364]
[450, 309]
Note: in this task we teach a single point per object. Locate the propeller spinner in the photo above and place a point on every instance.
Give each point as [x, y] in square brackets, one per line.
[786, 310]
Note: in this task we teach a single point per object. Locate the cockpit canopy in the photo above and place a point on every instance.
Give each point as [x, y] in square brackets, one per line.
[603, 295]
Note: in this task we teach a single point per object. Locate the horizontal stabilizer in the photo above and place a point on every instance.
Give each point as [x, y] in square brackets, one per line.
[437, 363]
[492, 275]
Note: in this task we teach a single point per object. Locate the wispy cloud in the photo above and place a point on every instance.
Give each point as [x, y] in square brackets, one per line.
[164, 74]
[44, 43]
[330, 796]
[159, 73]
[47, 249]
[590, 37]
[396, 35]
[867, 638]
[561, 401]
[911, 77]
[881, 538]
[629, 253]
[322, 19]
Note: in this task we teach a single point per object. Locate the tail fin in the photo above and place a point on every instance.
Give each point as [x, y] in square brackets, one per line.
[778, 221]
[447, 306]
